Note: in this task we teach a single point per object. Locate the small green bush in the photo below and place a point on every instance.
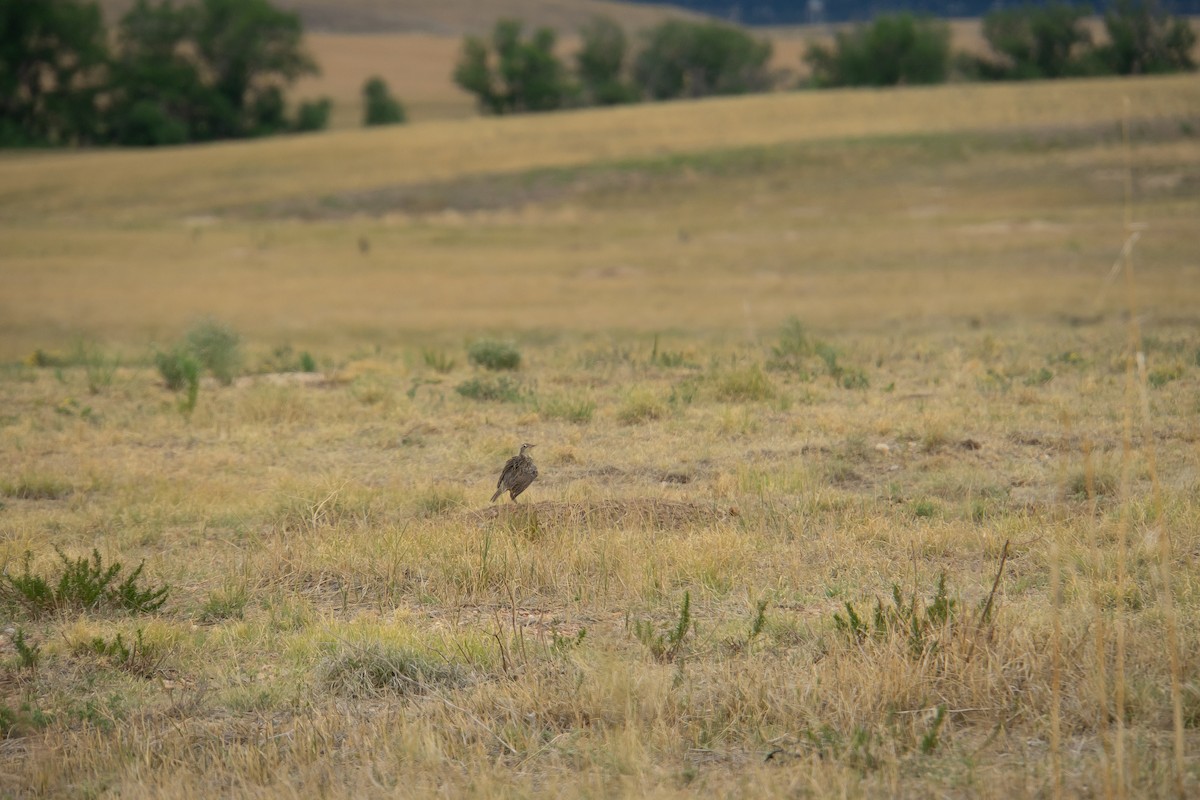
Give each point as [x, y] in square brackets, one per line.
[28, 654]
[925, 509]
[379, 106]
[667, 645]
[313, 115]
[501, 390]
[920, 622]
[178, 368]
[217, 347]
[82, 584]
[494, 355]
[136, 657]
[793, 349]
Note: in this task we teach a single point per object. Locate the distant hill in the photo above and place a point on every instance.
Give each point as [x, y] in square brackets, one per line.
[454, 17]
[794, 12]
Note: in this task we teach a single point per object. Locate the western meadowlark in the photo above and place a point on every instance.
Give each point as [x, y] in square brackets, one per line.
[519, 471]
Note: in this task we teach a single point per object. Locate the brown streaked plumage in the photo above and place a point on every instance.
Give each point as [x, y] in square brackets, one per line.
[519, 471]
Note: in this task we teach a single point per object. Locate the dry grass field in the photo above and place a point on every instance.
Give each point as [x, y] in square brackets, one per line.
[783, 357]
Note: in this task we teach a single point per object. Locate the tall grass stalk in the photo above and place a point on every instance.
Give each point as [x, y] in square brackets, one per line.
[1136, 359]
[1100, 623]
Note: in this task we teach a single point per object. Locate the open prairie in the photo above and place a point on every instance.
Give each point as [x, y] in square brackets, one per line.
[850, 484]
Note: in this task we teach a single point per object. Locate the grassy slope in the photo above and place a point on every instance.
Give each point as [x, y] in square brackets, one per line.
[347, 617]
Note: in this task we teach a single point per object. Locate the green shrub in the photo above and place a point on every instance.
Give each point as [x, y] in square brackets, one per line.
[28, 654]
[494, 355]
[178, 368]
[81, 584]
[666, 645]
[925, 509]
[217, 347]
[501, 390]
[921, 623]
[793, 349]
[313, 115]
[379, 107]
[136, 657]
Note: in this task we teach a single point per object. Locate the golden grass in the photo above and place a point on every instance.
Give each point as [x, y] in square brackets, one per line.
[349, 617]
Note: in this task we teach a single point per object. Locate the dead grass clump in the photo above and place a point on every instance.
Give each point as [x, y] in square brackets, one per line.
[568, 408]
[438, 499]
[744, 385]
[375, 669]
[641, 405]
[36, 487]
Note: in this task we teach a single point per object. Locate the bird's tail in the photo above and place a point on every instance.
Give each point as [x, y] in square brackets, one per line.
[497, 494]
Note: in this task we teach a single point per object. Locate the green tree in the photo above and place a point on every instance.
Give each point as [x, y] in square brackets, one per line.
[600, 64]
[52, 57]
[214, 69]
[894, 49]
[313, 115]
[159, 92]
[512, 74]
[1145, 39]
[251, 49]
[379, 107]
[1047, 41]
[696, 59]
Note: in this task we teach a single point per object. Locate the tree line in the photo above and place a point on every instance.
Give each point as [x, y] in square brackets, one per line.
[512, 72]
[172, 73]
[203, 70]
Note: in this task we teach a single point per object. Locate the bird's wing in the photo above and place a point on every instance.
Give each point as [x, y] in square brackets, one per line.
[506, 474]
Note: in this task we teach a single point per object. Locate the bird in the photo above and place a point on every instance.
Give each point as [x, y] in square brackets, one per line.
[519, 471]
